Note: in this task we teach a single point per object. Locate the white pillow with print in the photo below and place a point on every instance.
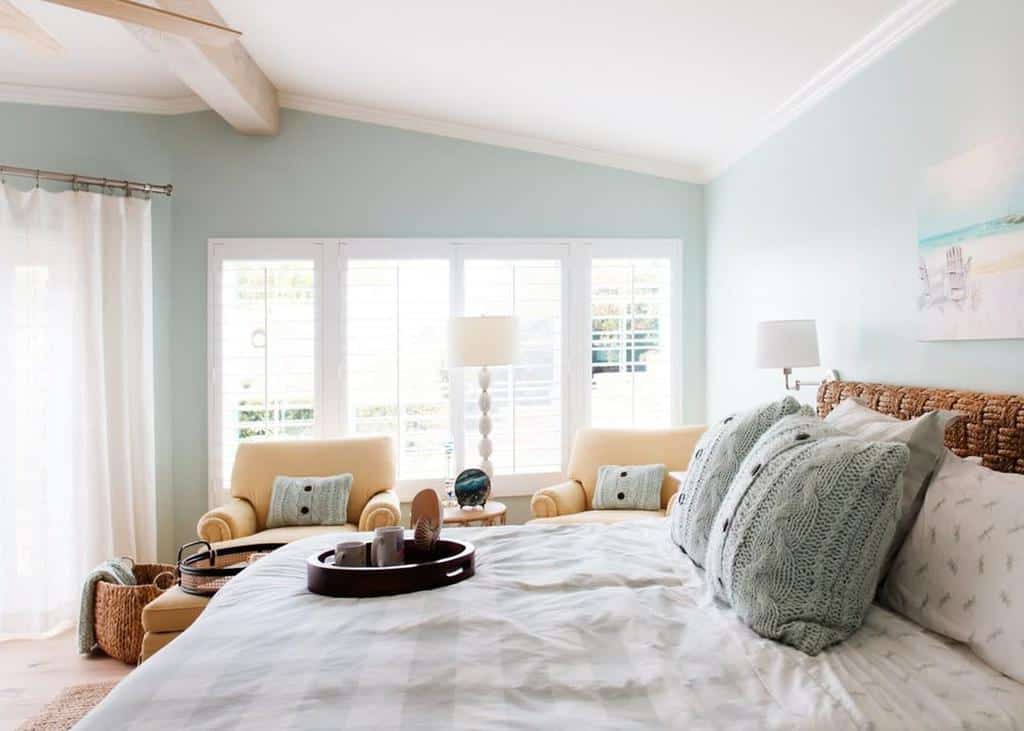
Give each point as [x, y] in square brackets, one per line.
[961, 570]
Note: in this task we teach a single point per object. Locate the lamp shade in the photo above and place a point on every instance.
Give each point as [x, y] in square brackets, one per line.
[787, 344]
[483, 341]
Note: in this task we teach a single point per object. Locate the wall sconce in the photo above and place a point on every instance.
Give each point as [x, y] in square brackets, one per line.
[789, 344]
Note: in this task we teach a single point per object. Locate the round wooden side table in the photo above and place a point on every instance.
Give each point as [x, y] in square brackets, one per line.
[492, 514]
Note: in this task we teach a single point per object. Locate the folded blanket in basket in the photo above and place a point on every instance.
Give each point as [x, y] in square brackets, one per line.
[116, 573]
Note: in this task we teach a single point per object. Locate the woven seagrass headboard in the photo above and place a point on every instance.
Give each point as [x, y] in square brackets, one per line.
[992, 428]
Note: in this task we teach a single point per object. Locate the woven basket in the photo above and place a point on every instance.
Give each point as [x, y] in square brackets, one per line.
[118, 612]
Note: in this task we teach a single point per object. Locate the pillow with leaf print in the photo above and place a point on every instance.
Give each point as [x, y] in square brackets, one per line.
[961, 570]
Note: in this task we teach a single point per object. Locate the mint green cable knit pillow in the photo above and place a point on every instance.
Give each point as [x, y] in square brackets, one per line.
[799, 541]
[309, 500]
[714, 463]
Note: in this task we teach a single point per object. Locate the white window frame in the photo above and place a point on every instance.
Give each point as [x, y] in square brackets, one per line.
[332, 256]
[218, 251]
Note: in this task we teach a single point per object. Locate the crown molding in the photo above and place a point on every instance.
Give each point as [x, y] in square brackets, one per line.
[47, 96]
[892, 31]
[497, 138]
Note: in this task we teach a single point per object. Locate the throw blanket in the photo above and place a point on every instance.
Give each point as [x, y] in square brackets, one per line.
[116, 573]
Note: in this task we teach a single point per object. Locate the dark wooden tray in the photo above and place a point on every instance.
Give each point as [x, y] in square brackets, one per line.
[450, 562]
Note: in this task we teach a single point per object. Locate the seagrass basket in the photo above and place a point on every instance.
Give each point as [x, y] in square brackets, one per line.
[118, 609]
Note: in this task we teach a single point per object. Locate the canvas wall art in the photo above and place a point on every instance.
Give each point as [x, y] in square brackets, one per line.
[971, 245]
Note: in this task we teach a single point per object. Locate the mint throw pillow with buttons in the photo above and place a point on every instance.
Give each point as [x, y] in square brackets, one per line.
[714, 463]
[799, 541]
[636, 487]
[309, 501]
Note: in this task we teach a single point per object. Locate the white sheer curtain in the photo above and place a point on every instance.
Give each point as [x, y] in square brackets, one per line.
[77, 477]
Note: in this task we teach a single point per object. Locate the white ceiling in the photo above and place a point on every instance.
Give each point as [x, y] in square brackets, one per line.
[679, 87]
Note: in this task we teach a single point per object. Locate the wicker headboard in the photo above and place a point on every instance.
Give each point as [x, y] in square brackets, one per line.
[992, 427]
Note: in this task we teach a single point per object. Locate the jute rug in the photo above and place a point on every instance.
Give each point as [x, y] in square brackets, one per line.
[68, 707]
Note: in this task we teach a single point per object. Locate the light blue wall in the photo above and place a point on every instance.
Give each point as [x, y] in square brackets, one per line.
[820, 221]
[119, 146]
[329, 177]
[323, 176]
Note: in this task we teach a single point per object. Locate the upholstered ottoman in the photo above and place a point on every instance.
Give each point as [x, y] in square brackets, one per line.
[168, 616]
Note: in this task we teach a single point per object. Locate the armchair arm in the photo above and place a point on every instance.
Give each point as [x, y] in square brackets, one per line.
[564, 498]
[381, 510]
[234, 519]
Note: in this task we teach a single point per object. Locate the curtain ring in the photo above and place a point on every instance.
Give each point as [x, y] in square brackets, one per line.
[74, 183]
[148, 188]
[3, 177]
[106, 188]
[37, 178]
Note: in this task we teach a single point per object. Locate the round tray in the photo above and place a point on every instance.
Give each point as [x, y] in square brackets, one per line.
[450, 562]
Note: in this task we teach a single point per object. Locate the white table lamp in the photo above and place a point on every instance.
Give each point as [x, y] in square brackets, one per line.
[789, 344]
[484, 341]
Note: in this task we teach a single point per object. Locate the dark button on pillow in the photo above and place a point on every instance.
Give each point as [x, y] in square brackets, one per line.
[680, 500]
[623, 474]
[304, 510]
[308, 488]
[621, 496]
[802, 436]
[698, 453]
[725, 525]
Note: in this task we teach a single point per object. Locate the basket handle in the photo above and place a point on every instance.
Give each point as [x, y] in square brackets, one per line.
[209, 548]
[173, 580]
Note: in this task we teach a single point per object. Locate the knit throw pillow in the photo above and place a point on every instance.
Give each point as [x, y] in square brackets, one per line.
[713, 465]
[309, 501]
[799, 541]
[629, 488]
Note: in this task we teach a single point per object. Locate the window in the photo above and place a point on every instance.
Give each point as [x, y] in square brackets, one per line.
[526, 399]
[631, 318]
[397, 334]
[323, 338]
[265, 350]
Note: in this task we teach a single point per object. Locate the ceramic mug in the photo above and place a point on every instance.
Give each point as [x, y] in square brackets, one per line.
[350, 553]
[388, 548]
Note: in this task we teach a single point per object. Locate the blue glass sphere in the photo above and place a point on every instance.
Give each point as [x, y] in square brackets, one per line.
[472, 488]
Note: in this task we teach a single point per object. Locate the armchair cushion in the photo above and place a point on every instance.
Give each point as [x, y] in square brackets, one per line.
[381, 510]
[234, 519]
[564, 498]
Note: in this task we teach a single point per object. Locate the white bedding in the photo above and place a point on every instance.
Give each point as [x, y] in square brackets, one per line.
[562, 627]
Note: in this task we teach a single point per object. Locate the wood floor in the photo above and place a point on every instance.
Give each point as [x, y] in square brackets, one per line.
[32, 672]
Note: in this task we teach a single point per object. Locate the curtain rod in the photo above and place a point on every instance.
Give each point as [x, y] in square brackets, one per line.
[86, 180]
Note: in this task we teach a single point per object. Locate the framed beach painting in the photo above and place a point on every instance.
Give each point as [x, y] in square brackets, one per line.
[971, 245]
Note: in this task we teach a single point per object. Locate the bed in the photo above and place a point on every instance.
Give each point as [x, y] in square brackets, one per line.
[595, 626]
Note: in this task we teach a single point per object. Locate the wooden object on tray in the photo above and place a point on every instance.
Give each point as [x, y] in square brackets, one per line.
[118, 610]
[493, 513]
[426, 512]
[449, 563]
[992, 426]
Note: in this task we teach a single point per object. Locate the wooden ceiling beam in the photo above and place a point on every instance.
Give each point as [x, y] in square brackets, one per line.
[221, 73]
[168, 21]
[14, 22]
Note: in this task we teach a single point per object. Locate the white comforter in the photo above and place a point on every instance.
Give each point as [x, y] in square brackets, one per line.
[562, 627]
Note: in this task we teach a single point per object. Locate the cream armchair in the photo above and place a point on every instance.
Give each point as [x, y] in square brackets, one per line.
[571, 501]
[372, 502]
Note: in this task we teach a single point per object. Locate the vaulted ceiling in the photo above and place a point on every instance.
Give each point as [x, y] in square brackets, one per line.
[679, 88]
